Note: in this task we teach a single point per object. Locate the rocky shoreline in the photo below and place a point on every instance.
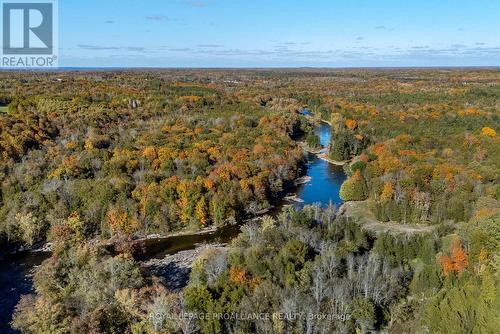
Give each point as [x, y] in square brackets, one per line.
[173, 270]
[324, 156]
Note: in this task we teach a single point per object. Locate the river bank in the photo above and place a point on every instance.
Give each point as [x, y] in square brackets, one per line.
[173, 270]
[324, 156]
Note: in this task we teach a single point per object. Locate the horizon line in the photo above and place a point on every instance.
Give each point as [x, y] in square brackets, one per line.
[111, 68]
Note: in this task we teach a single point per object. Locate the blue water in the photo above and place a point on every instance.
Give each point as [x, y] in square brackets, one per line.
[326, 178]
[324, 133]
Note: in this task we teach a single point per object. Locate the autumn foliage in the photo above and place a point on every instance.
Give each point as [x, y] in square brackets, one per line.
[488, 132]
[351, 124]
[237, 275]
[86, 156]
[457, 262]
[387, 193]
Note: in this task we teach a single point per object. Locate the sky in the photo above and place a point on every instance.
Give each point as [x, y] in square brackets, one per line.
[271, 33]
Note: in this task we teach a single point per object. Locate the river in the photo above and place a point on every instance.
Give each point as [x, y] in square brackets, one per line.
[327, 178]
[323, 188]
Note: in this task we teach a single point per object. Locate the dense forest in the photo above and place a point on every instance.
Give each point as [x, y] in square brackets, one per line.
[93, 159]
[136, 154]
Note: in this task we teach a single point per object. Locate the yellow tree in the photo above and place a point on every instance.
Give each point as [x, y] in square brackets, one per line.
[387, 192]
[150, 153]
[201, 211]
[119, 221]
[353, 189]
[488, 132]
[183, 202]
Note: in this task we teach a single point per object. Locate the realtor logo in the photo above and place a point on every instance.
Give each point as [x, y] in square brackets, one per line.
[29, 36]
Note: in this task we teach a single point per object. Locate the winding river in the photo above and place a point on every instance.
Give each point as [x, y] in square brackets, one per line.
[323, 188]
[326, 178]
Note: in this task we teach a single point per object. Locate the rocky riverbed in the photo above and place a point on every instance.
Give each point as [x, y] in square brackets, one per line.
[173, 270]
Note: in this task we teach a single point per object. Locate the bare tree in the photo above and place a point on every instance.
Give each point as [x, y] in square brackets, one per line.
[350, 265]
[330, 262]
[251, 232]
[215, 266]
[329, 213]
[318, 288]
